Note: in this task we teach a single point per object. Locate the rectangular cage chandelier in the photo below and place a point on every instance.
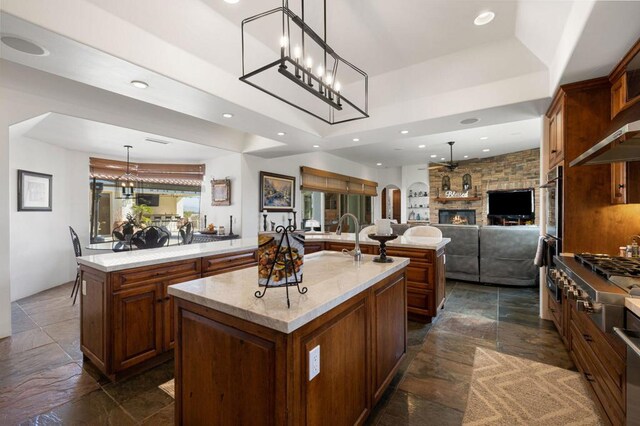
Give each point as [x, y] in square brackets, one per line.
[307, 74]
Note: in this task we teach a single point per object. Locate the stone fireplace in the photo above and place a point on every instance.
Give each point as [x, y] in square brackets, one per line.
[457, 216]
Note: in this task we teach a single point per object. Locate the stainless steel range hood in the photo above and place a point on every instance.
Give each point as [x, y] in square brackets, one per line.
[621, 145]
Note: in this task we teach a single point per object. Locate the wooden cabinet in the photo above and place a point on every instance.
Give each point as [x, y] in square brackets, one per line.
[261, 376]
[313, 247]
[556, 132]
[127, 317]
[365, 248]
[625, 81]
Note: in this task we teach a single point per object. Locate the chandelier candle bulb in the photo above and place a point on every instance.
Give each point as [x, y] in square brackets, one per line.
[309, 68]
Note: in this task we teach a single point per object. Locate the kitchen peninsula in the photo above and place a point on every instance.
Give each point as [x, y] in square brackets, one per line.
[244, 360]
[126, 312]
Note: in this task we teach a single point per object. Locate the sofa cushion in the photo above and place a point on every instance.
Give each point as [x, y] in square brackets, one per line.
[507, 253]
[462, 252]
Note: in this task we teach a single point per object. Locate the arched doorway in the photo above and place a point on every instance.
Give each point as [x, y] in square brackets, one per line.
[391, 202]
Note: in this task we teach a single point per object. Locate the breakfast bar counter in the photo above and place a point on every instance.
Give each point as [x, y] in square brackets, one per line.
[326, 360]
[125, 295]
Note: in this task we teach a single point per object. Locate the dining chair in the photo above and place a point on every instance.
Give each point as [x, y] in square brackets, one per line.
[77, 249]
[185, 234]
[150, 237]
[423, 231]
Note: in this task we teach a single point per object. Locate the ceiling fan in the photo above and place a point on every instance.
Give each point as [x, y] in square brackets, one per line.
[448, 165]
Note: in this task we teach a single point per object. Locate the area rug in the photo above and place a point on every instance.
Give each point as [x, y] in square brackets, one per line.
[169, 388]
[508, 390]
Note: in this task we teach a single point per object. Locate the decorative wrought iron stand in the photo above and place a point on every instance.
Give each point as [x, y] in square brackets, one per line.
[382, 239]
[287, 262]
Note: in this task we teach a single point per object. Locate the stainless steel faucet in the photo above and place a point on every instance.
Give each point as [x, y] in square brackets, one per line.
[356, 252]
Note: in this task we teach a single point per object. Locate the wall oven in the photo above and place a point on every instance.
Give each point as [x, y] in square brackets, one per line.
[553, 217]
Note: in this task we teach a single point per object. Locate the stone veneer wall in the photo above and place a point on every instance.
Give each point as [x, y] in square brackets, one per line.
[509, 171]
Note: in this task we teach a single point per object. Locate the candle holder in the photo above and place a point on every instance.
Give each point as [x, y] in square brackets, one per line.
[264, 226]
[230, 225]
[382, 239]
[295, 220]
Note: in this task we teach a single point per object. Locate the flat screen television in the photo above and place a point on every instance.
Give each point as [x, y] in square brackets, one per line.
[151, 200]
[514, 203]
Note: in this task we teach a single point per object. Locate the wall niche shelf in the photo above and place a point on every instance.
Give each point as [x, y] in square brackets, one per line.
[420, 212]
[445, 200]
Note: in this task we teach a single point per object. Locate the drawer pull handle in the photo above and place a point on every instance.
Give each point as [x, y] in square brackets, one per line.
[589, 377]
[552, 310]
[587, 337]
[159, 301]
[167, 298]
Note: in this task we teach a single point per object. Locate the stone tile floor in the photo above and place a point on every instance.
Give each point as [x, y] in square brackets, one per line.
[43, 379]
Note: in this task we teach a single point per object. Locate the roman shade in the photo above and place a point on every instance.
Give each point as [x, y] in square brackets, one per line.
[324, 181]
[177, 174]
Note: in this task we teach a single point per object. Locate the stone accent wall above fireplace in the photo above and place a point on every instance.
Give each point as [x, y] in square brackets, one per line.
[509, 171]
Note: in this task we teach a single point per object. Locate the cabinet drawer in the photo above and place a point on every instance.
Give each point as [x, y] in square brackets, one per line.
[556, 311]
[218, 264]
[147, 274]
[419, 300]
[313, 247]
[611, 400]
[417, 255]
[601, 348]
[421, 274]
[366, 249]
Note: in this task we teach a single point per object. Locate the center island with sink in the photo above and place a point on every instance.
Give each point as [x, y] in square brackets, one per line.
[127, 313]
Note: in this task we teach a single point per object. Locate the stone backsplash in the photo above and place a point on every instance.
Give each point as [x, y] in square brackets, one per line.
[509, 171]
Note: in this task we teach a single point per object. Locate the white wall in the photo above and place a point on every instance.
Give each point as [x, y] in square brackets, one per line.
[290, 166]
[41, 251]
[227, 166]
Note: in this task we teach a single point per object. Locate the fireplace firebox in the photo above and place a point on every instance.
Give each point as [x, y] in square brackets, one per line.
[457, 216]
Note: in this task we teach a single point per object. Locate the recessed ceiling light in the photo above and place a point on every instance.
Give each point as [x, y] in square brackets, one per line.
[466, 156]
[227, 115]
[404, 132]
[231, 1]
[281, 133]
[433, 155]
[470, 120]
[24, 46]
[139, 84]
[486, 150]
[484, 18]
[397, 149]
[316, 146]
[421, 146]
[356, 140]
[378, 164]
[484, 138]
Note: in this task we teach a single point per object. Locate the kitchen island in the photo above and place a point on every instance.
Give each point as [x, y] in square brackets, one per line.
[126, 313]
[244, 360]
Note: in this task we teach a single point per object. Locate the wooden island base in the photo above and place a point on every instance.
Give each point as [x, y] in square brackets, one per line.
[232, 371]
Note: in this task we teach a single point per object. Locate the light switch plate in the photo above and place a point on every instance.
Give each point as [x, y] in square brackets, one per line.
[314, 362]
[84, 288]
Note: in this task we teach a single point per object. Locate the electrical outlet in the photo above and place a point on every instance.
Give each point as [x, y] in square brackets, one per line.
[314, 362]
[84, 288]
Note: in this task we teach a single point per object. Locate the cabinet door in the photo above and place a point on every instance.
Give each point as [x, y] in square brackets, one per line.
[559, 146]
[389, 333]
[618, 95]
[553, 141]
[168, 318]
[137, 325]
[618, 183]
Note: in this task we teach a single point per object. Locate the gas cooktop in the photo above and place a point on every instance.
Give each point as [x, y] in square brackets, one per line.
[622, 271]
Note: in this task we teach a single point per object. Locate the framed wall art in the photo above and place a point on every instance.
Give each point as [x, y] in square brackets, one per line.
[221, 192]
[277, 192]
[35, 191]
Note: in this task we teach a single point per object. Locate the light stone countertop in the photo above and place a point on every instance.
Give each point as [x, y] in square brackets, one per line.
[632, 304]
[427, 243]
[331, 279]
[112, 262]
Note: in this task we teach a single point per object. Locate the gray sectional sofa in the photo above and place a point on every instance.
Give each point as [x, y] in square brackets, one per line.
[492, 254]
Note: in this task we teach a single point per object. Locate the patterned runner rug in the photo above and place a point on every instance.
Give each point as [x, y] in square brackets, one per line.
[508, 390]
